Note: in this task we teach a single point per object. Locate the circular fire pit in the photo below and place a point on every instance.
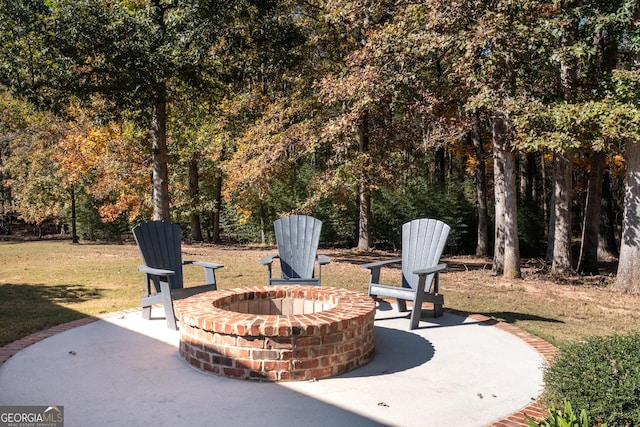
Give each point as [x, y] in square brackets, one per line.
[277, 333]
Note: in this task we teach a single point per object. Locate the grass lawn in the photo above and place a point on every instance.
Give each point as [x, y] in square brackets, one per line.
[45, 283]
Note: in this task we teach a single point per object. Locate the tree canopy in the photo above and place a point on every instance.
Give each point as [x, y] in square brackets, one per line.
[365, 114]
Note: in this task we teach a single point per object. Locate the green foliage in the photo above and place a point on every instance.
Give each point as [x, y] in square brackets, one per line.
[600, 375]
[91, 226]
[598, 125]
[558, 418]
[393, 207]
[531, 226]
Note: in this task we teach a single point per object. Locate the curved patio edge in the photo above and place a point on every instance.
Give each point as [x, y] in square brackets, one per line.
[535, 409]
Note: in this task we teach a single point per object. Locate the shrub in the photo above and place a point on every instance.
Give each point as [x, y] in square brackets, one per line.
[600, 375]
[558, 418]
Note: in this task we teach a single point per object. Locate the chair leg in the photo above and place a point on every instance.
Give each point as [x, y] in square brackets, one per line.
[168, 306]
[402, 305]
[416, 310]
[146, 312]
[437, 310]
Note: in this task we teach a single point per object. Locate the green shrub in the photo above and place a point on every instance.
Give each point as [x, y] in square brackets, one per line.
[600, 375]
[558, 418]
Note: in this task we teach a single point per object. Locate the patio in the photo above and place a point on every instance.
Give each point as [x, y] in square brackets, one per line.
[124, 370]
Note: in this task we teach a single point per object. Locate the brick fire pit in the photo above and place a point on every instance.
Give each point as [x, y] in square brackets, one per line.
[277, 333]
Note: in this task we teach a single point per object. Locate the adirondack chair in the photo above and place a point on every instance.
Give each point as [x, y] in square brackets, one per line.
[423, 241]
[159, 243]
[297, 237]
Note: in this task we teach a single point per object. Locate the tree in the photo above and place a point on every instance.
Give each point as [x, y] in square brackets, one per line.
[131, 52]
[625, 124]
[482, 246]
[36, 182]
[628, 274]
[588, 258]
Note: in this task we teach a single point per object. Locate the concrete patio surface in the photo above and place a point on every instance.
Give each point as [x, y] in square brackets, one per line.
[126, 371]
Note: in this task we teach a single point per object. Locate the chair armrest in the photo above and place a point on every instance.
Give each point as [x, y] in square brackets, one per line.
[323, 259]
[375, 267]
[155, 271]
[268, 259]
[430, 270]
[204, 264]
[209, 270]
[379, 264]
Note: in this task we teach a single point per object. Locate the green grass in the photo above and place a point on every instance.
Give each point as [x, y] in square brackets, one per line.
[45, 283]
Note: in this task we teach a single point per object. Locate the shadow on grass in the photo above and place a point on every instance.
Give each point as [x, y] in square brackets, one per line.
[29, 308]
[511, 317]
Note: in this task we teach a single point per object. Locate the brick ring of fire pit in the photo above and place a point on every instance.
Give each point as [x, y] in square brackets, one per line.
[277, 333]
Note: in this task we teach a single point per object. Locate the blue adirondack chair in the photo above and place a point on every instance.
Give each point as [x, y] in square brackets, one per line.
[297, 237]
[423, 241]
[160, 246]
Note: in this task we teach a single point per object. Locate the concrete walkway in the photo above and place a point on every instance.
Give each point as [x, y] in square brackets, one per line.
[125, 371]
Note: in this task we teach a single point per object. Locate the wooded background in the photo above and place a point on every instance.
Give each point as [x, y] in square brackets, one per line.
[516, 122]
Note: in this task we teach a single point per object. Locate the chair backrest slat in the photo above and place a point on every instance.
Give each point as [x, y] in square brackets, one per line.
[159, 243]
[423, 241]
[297, 237]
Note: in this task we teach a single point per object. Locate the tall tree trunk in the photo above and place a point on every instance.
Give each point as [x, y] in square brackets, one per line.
[194, 191]
[217, 208]
[160, 156]
[628, 276]
[74, 225]
[364, 191]
[551, 229]
[498, 190]
[607, 245]
[588, 260]
[507, 248]
[562, 198]
[608, 47]
[364, 222]
[482, 246]
[511, 241]
[562, 184]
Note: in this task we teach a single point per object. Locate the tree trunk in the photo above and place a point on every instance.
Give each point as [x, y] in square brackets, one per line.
[607, 245]
[482, 246]
[628, 276]
[160, 156]
[559, 243]
[511, 242]
[364, 192]
[562, 198]
[364, 223]
[74, 225]
[217, 208]
[507, 248]
[194, 191]
[499, 206]
[588, 260]
[547, 200]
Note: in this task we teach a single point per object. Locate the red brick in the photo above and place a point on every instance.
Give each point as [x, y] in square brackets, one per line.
[276, 365]
[249, 364]
[235, 372]
[258, 354]
[237, 352]
[250, 342]
[305, 364]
